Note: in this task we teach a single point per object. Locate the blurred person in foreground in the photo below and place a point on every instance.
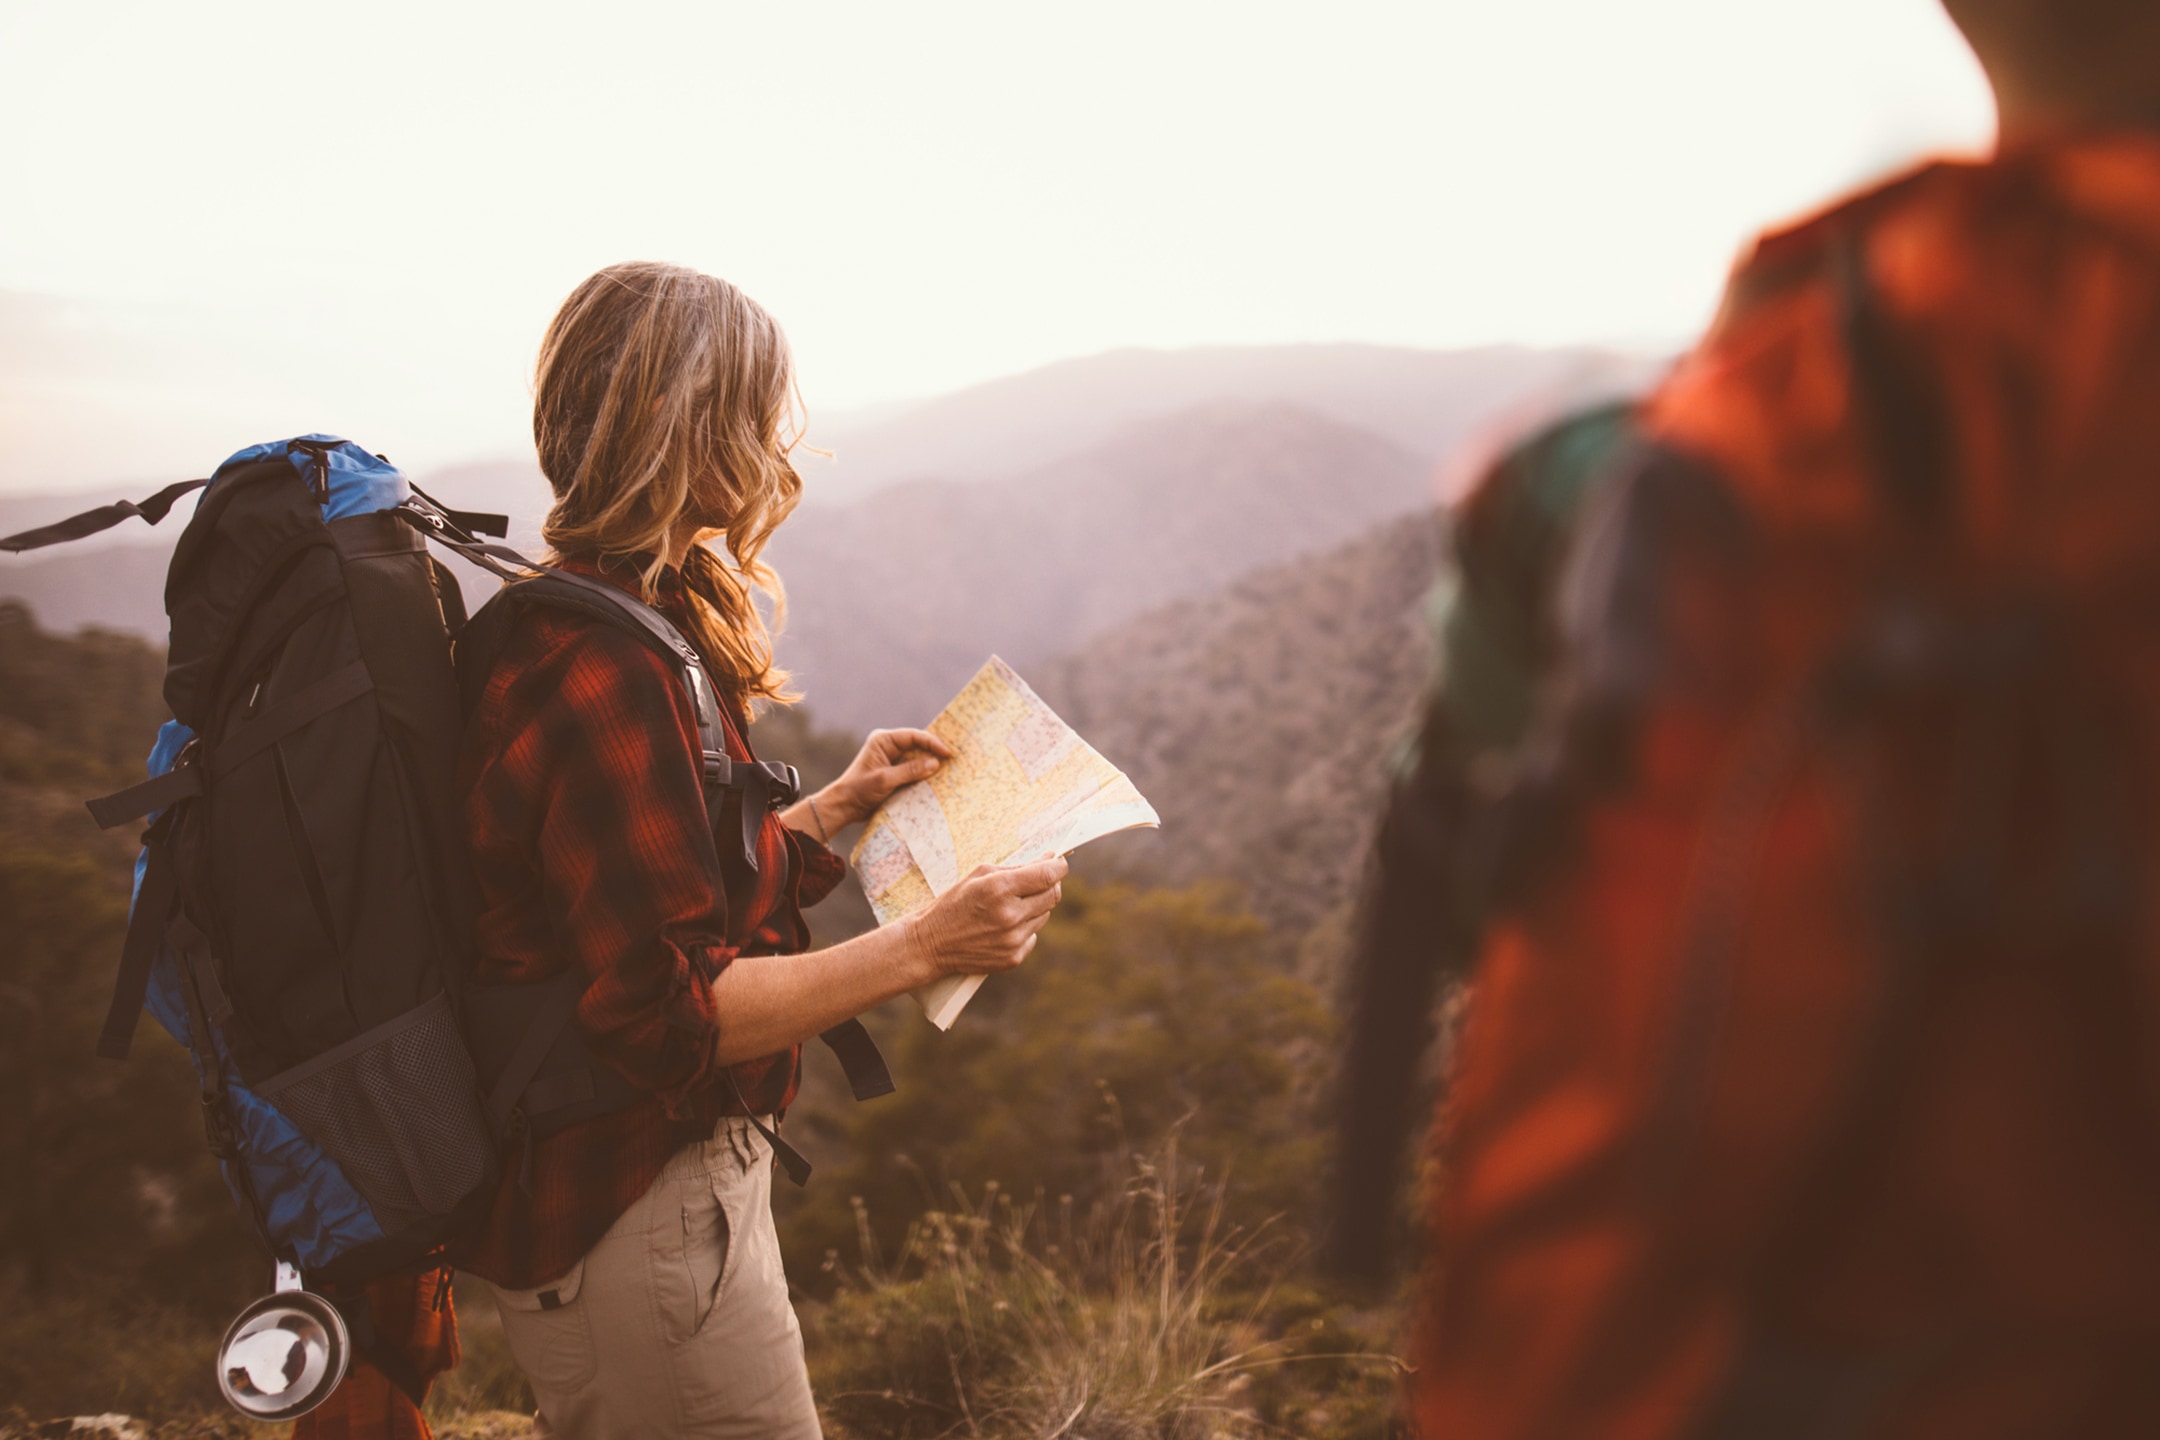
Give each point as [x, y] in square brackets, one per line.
[1789, 798]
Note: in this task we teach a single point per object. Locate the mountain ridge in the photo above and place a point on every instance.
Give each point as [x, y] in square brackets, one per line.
[1428, 402]
[1258, 720]
[911, 587]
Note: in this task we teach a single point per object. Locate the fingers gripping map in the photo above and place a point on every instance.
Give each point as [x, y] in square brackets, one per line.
[1022, 786]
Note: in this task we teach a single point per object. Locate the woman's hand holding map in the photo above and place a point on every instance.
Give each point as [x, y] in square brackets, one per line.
[986, 923]
[1018, 787]
[888, 760]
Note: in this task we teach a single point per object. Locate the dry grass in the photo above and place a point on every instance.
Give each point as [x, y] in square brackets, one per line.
[76, 1353]
[487, 1383]
[1146, 1319]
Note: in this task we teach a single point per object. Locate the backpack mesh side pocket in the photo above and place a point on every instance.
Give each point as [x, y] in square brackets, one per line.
[398, 1109]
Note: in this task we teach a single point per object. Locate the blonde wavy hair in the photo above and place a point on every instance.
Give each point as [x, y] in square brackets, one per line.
[665, 400]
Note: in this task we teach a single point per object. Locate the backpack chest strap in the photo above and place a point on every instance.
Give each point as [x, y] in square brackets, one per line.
[765, 785]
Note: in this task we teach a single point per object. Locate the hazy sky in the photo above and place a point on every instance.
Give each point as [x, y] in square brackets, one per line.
[222, 222]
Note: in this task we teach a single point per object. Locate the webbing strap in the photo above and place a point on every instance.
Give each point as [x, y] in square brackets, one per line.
[75, 527]
[851, 1045]
[146, 932]
[1898, 403]
[159, 792]
[766, 785]
[309, 703]
[761, 785]
[478, 522]
[791, 1160]
[472, 522]
[648, 619]
[202, 966]
[441, 525]
[220, 1129]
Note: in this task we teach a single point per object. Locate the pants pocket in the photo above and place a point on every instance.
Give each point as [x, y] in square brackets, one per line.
[550, 1334]
[690, 1259]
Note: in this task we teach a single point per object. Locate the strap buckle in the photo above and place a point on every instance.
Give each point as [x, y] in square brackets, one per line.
[787, 783]
[218, 1126]
[183, 781]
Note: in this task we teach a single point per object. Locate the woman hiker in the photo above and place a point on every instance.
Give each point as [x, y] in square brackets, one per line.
[632, 1256]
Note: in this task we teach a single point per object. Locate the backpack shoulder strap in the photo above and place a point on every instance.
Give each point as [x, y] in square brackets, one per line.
[488, 631]
[1423, 911]
[1907, 440]
[156, 901]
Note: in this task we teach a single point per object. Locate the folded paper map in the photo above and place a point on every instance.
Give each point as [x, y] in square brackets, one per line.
[1022, 786]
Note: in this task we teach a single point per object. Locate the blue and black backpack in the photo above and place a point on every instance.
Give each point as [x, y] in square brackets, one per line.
[303, 913]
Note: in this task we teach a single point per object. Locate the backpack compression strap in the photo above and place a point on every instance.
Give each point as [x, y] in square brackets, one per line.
[158, 506]
[195, 772]
[75, 527]
[155, 902]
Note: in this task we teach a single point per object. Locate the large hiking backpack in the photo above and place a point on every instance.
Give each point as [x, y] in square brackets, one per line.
[303, 911]
[1806, 1086]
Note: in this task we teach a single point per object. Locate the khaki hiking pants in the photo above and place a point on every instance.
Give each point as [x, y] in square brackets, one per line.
[677, 1323]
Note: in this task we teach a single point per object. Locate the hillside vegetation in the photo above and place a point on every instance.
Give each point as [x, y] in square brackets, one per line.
[112, 1217]
[1088, 1205]
[1258, 719]
[76, 718]
[1090, 1197]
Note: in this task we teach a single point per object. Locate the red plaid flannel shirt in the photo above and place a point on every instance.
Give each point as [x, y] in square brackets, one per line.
[590, 843]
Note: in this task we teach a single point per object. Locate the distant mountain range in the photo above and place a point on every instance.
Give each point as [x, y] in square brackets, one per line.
[897, 598]
[1427, 403]
[1024, 516]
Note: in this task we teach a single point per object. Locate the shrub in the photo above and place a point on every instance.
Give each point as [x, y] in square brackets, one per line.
[121, 1255]
[1147, 1317]
[1139, 1012]
[486, 1380]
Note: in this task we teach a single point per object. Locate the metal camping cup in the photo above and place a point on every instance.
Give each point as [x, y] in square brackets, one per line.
[284, 1354]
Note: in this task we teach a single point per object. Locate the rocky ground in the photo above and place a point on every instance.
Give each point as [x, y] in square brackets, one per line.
[15, 1425]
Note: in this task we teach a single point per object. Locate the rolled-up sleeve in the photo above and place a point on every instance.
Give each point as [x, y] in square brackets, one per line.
[818, 869]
